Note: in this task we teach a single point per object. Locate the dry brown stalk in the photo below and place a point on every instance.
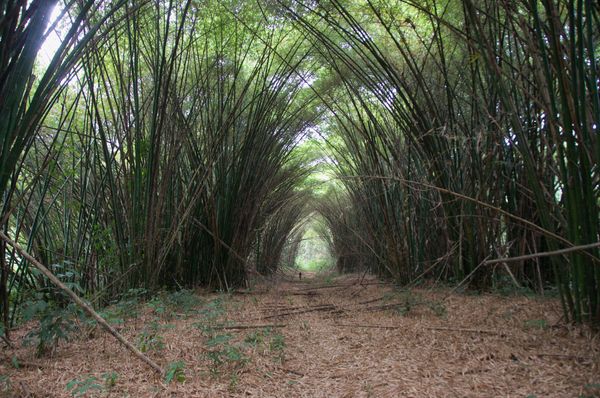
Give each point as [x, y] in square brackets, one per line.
[366, 326]
[89, 310]
[483, 331]
[544, 254]
[326, 307]
[261, 326]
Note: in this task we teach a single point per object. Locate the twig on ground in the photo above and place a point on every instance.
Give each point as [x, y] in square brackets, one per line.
[366, 326]
[566, 356]
[294, 372]
[483, 331]
[326, 307]
[266, 325]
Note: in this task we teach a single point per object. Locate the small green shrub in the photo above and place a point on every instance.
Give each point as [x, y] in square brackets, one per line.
[535, 324]
[184, 300]
[78, 388]
[54, 323]
[218, 340]
[255, 338]
[226, 355]
[175, 372]
[181, 301]
[438, 308]
[110, 379]
[277, 346]
[222, 353]
[150, 340]
[5, 386]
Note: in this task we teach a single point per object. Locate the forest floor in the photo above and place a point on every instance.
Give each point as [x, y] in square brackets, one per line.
[322, 336]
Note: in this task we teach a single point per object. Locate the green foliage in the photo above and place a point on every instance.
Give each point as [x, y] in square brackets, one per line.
[591, 390]
[277, 346]
[505, 286]
[175, 372]
[5, 386]
[183, 300]
[68, 274]
[158, 306]
[218, 339]
[150, 341]
[212, 311]
[226, 355]
[314, 250]
[535, 324]
[257, 337]
[180, 301]
[55, 323]
[222, 353]
[80, 387]
[438, 308]
[125, 308]
[110, 379]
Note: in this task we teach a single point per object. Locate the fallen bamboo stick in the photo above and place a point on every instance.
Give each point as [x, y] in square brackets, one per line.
[343, 285]
[366, 326]
[82, 304]
[483, 331]
[326, 307]
[267, 325]
[566, 356]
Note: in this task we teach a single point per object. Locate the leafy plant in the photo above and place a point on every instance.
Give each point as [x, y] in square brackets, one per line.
[175, 372]
[79, 388]
[5, 383]
[158, 306]
[438, 308]
[150, 340]
[165, 304]
[277, 346]
[255, 338]
[221, 352]
[110, 379]
[126, 307]
[536, 324]
[226, 354]
[218, 340]
[183, 300]
[54, 323]
[210, 313]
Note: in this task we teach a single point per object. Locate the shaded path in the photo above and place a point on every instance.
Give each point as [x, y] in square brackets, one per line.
[334, 337]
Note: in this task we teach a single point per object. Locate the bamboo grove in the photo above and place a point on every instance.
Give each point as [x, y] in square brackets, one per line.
[163, 146]
[468, 132]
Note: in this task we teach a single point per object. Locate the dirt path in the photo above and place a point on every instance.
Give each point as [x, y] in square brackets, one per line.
[331, 337]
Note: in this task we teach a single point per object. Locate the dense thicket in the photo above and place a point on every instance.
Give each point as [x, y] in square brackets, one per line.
[165, 143]
[468, 132]
[166, 158]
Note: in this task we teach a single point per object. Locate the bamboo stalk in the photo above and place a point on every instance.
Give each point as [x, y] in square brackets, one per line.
[89, 310]
[544, 254]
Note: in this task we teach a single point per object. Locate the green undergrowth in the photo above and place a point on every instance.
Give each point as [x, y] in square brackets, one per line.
[54, 321]
[228, 354]
[225, 350]
[405, 302]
